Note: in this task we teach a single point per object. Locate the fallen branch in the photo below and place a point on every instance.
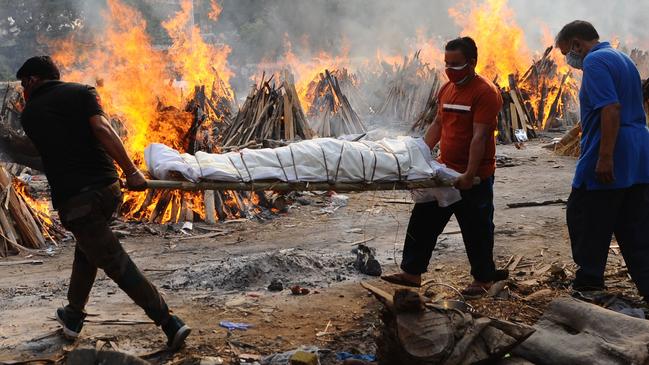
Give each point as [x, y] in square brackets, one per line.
[22, 262]
[536, 204]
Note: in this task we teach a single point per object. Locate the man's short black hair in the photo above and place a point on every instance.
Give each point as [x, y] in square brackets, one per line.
[577, 29]
[41, 66]
[466, 45]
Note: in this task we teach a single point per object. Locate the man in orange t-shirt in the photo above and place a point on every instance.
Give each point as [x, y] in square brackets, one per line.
[465, 124]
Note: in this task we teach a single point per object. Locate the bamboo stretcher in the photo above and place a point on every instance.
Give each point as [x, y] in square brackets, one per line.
[280, 186]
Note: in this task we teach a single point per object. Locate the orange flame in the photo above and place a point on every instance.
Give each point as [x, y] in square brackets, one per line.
[135, 82]
[198, 62]
[307, 71]
[215, 11]
[501, 43]
[40, 206]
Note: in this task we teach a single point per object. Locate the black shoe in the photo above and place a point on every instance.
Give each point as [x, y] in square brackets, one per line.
[581, 285]
[176, 331]
[501, 275]
[72, 324]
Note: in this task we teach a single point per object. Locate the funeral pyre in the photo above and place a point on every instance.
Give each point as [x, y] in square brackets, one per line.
[180, 97]
[537, 97]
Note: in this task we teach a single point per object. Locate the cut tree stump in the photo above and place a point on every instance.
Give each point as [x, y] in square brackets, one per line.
[573, 332]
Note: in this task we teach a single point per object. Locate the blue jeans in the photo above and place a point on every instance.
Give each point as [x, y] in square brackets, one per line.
[593, 217]
[474, 214]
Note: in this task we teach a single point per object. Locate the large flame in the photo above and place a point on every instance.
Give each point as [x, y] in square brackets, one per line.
[309, 69]
[501, 41]
[138, 87]
[503, 51]
[199, 63]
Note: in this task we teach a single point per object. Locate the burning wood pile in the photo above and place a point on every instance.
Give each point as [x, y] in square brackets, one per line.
[25, 223]
[408, 90]
[536, 101]
[428, 115]
[542, 98]
[330, 112]
[14, 145]
[270, 113]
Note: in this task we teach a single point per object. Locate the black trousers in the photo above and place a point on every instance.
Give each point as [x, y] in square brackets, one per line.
[474, 214]
[593, 217]
[88, 216]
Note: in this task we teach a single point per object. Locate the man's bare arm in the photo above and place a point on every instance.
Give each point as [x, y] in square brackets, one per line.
[481, 134]
[433, 133]
[113, 145]
[610, 125]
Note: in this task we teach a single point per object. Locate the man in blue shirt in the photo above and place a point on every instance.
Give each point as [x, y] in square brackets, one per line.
[610, 190]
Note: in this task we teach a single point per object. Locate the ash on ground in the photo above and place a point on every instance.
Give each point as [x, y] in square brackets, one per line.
[254, 272]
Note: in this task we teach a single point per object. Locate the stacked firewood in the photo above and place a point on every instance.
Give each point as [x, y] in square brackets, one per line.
[427, 116]
[270, 112]
[641, 59]
[408, 90]
[569, 144]
[526, 99]
[23, 228]
[330, 113]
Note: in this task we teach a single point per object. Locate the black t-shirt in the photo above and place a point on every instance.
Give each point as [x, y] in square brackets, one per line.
[56, 119]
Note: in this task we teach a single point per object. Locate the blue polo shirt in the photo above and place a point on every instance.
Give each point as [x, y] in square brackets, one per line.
[611, 77]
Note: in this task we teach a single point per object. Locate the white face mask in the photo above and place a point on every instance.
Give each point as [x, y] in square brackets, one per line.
[458, 68]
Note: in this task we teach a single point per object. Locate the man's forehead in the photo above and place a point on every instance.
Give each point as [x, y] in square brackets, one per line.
[454, 55]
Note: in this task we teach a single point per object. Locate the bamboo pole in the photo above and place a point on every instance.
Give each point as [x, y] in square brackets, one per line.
[280, 186]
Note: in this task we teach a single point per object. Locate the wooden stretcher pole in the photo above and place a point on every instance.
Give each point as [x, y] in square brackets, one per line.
[279, 186]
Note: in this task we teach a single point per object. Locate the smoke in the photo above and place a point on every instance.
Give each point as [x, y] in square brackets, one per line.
[261, 30]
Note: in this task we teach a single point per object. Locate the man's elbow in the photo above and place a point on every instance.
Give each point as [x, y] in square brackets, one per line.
[611, 109]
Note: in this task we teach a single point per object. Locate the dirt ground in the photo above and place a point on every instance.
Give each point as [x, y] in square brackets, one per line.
[224, 278]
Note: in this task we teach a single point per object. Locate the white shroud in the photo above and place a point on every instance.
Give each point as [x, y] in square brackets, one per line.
[315, 160]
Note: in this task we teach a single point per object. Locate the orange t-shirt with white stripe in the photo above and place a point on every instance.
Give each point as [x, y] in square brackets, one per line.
[459, 108]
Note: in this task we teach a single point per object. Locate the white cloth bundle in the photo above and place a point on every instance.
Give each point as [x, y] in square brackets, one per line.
[316, 160]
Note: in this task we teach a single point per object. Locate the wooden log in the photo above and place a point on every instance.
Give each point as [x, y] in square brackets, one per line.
[25, 223]
[522, 117]
[157, 216]
[554, 108]
[220, 205]
[208, 199]
[4, 245]
[175, 207]
[536, 203]
[7, 227]
[289, 132]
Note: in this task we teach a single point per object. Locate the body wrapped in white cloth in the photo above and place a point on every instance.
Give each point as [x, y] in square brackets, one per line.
[316, 160]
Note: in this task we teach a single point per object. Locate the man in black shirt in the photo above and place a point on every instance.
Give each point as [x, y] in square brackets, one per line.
[77, 144]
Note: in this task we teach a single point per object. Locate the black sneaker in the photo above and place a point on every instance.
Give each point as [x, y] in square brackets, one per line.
[72, 324]
[502, 274]
[176, 331]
